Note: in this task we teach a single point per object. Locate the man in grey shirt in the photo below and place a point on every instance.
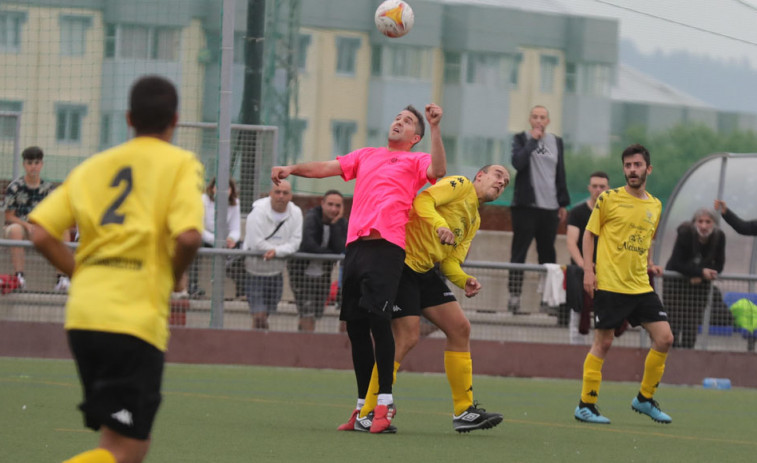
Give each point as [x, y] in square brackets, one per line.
[539, 198]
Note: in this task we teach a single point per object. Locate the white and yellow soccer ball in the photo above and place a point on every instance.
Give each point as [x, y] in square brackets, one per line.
[394, 18]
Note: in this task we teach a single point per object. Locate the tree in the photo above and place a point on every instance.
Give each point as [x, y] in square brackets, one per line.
[673, 152]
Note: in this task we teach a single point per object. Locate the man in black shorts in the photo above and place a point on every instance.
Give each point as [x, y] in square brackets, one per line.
[386, 181]
[443, 222]
[578, 217]
[139, 211]
[624, 222]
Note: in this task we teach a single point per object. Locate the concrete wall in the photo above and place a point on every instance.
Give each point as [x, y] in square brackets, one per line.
[47, 340]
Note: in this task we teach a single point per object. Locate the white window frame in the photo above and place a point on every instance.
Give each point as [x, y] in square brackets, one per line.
[8, 124]
[346, 54]
[116, 43]
[303, 46]
[341, 136]
[70, 44]
[548, 65]
[11, 28]
[69, 118]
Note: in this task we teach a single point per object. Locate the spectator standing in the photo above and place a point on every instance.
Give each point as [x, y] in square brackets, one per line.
[274, 227]
[699, 255]
[233, 224]
[386, 181]
[21, 196]
[139, 214]
[324, 232]
[624, 223]
[577, 219]
[539, 199]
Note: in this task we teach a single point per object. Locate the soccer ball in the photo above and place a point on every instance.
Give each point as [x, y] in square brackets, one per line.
[394, 18]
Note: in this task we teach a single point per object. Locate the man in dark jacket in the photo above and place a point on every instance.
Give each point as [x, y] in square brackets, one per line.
[324, 232]
[540, 196]
[742, 227]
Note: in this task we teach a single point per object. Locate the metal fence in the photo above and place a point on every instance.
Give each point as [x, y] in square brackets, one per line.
[488, 312]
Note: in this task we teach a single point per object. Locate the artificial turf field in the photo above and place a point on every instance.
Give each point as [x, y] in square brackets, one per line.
[250, 414]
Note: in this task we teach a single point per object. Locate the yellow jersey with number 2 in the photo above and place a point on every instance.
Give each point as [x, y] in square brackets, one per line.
[129, 204]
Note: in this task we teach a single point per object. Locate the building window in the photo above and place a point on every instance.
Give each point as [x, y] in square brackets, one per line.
[571, 77]
[548, 66]
[595, 79]
[478, 151]
[110, 40]
[346, 54]
[303, 44]
[516, 59]
[142, 42]
[7, 123]
[73, 34]
[376, 67]
[591, 79]
[450, 148]
[68, 122]
[298, 127]
[105, 131]
[492, 69]
[11, 23]
[452, 67]
[341, 134]
[401, 61]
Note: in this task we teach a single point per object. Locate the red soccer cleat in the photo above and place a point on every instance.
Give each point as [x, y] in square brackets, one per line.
[350, 424]
[382, 419]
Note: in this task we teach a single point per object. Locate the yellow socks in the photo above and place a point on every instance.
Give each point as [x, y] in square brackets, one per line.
[459, 369]
[654, 367]
[592, 379]
[371, 398]
[93, 456]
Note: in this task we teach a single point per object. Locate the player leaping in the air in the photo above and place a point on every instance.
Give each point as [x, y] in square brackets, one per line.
[442, 224]
[386, 181]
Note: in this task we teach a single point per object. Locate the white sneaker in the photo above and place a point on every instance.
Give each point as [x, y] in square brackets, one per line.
[180, 294]
[63, 284]
[21, 281]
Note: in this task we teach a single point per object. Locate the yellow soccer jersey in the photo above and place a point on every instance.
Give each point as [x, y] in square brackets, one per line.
[451, 203]
[626, 226]
[129, 204]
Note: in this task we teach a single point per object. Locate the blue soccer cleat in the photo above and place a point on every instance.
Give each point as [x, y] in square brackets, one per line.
[588, 413]
[652, 409]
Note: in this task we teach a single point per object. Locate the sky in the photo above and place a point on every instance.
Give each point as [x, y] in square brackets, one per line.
[724, 29]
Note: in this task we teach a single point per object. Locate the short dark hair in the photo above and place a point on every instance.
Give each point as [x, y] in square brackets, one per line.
[637, 149]
[420, 127]
[153, 102]
[333, 192]
[600, 174]
[32, 153]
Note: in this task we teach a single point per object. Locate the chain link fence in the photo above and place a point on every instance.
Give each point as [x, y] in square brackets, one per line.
[717, 315]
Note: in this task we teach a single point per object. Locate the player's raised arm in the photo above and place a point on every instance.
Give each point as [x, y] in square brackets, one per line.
[438, 167]
[316, 169]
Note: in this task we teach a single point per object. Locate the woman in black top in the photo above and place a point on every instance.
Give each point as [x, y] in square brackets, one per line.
[699, 255]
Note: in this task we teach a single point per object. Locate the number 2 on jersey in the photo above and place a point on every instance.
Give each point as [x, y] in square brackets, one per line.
[111, 215]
